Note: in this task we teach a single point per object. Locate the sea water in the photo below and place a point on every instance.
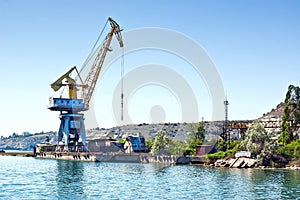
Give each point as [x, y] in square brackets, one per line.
[30, 178]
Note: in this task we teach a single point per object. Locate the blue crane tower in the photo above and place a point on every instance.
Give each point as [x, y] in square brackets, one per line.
[72, 129]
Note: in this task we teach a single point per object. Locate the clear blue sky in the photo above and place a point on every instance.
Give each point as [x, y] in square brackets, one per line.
[255, 46]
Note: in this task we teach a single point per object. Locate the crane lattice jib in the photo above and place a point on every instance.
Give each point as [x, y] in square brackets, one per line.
[91, 79]
[117, 31]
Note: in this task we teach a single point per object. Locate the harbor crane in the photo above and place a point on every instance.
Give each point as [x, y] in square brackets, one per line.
[72, 128]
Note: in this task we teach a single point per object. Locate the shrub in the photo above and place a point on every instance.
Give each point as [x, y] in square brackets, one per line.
[221, 154]
[291, 150]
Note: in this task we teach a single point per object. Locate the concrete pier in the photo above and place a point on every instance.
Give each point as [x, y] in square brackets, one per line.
[76, 156]
[114, 157]
[118, 157]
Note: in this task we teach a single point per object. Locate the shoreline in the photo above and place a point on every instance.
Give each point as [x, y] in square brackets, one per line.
[16, 153]
[154, 159]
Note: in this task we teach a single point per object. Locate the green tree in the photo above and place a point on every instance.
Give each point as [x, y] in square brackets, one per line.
[196, 136]
[291, 151]
[255, 139]
[291, 115]
[177, 147]
[149, 143]
[259, 142]
[197, 130]
[161, 144]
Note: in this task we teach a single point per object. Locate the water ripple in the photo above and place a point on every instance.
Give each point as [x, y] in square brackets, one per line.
[29, 178]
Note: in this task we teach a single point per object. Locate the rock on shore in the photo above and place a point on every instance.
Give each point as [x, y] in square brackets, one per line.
[241, 162]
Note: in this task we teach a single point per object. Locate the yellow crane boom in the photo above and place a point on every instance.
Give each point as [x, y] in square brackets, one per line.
[89, 83]
[92, 77]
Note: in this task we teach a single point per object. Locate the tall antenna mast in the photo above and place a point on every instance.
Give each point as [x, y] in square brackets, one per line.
[226, 122]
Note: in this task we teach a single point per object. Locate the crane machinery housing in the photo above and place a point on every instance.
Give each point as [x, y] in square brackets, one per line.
[72, 128]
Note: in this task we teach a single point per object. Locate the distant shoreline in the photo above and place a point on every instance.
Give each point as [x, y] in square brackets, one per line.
[16, 153]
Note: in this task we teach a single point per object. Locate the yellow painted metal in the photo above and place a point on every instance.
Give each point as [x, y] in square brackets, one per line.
[72, 89]
[56, 85]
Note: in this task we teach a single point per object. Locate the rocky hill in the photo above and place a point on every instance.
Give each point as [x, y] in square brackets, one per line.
[25, 143]
[274, 114]
[175, 131]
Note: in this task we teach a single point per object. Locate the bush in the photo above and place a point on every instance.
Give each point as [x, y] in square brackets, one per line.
[221, 154]
[149, 143]
[190, 151]
[291, 150]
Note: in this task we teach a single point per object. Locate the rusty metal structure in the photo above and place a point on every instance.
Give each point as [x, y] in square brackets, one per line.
[225, 135]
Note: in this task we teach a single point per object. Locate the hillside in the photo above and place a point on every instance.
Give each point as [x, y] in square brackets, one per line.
[25, 143]
[274, 114]
[175, 131]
